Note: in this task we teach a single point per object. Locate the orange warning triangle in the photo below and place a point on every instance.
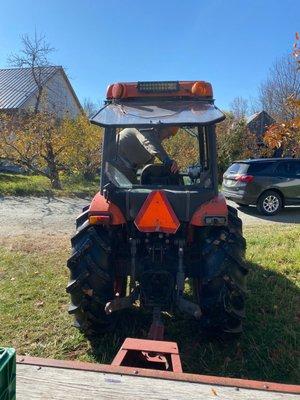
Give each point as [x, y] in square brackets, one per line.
[157, 215]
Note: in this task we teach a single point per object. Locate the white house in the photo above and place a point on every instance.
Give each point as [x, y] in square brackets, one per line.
[19, 90]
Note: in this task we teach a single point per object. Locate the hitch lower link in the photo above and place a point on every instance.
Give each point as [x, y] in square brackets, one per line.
[156, 331]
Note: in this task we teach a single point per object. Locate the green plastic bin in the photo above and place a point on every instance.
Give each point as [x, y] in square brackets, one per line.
[7, 374]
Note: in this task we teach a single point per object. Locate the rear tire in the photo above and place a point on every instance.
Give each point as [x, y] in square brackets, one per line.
[221, 288]
[269, 203]
[91, 283]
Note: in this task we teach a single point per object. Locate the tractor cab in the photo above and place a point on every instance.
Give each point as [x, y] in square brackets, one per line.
[151, 107]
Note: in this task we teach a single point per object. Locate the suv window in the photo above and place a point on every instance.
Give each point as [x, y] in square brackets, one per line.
[282, 168]
[237, 168]
[285, 168]
[259, 168]
[295, 168]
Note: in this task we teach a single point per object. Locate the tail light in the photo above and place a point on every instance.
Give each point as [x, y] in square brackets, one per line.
[101, 219]
[244, 178]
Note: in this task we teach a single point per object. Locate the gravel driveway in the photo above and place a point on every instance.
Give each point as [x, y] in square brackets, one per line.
[22, 215]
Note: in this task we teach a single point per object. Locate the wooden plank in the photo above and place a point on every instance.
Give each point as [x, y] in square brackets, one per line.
[49, 383]
[150, 373]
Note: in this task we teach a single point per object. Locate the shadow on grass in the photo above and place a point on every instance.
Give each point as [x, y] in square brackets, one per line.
[265, 351]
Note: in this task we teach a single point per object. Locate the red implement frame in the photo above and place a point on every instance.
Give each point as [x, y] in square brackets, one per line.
[150, 354]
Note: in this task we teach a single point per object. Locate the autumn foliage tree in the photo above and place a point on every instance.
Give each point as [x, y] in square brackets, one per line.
[234, 142]
[43, 144]
[35, 142]
[285, 134]
[83, 153]
[183, 148]
[296, 49]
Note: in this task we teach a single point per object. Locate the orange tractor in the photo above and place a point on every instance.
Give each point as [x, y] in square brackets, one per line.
[140, 241]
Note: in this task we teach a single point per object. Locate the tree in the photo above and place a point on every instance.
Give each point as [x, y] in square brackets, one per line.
[83, 153]
[283, 83]
[183, 148]
[45, 145]
[89, 107]
[234, 142]
[34, 55]
[35, 142]
[286, 135]
[239, 107]
[296, 51]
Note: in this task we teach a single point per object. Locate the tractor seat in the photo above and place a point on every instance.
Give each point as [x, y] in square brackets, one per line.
[159, 174]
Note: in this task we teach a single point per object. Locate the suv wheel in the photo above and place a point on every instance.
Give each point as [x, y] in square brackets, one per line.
[269, 203]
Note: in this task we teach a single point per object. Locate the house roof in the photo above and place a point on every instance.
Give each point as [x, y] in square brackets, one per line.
[252, 117]
[256, 115]
[18, 84]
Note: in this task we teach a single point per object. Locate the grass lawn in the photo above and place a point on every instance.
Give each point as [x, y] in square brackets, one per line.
[34, 319]
[38, 185]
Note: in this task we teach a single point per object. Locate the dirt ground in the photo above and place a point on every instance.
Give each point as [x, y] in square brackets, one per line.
[28, 215]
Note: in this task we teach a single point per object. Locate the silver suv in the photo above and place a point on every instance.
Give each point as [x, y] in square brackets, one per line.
[268, 183]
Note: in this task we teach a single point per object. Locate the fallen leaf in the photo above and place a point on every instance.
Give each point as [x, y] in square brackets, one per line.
[214, 392]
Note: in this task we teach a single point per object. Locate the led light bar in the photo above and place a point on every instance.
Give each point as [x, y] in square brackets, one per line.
[158, 87]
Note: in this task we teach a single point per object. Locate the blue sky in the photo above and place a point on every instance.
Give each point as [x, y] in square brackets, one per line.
[229, 43]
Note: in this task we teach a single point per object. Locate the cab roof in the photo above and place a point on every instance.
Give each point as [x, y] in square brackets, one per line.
[157, 112]
[144, 104]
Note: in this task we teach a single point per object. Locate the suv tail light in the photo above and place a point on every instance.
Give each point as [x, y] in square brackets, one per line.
[244, 178]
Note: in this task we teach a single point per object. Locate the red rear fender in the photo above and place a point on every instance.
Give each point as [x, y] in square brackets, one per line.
[102, 207]
[216, 207]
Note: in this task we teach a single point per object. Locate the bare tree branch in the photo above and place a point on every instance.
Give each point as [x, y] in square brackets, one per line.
[34, 55]
[282, 84]
[239, 107]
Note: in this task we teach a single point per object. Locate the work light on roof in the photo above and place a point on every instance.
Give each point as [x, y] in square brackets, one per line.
[158, 87]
